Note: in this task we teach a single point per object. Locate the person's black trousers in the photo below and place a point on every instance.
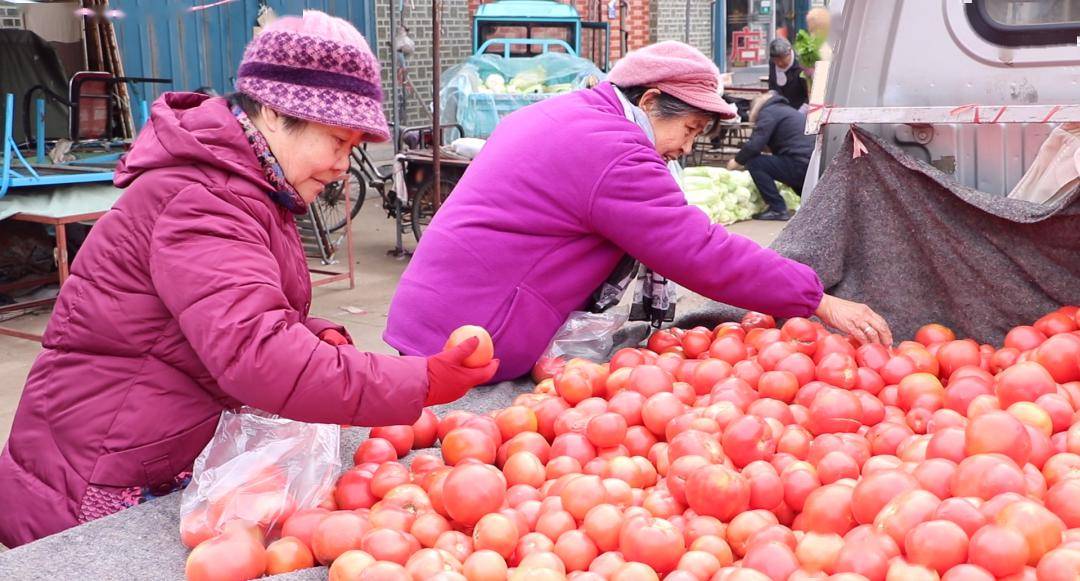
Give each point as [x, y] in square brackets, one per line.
[765, 170]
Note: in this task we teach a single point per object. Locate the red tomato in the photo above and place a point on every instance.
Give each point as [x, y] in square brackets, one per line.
[707, 374]
[1001, 550]
[662, 340]
[231, 556]
[389, 545]
[386, 477]
[934, 333]
[964, 512]
[375, 450]
[485, 566]
[776, 560]
[897, 368]
[936, 544]
[1025, 381]
[728, 348]
[962, 391]
[350, 565]
[458, 544]
[430, 563]
[828, 510]
[425, 430]
[986, 476]
[471, 491]
[336, 533]
[920, 390]
[353, 490]
[496, 532]
[462, 443]
[956, 354]
[484, 352]
[998, 432]
[427, 527]
[755, 320]
[779, 385]
[696, 342]
[1056, 323]
[904, 512]
[838, 369]
[747, 439]
[1041, 528]
[627, 357]
[1059, 565]
[401, 437]
[800, 479]
[1060, 355]
[717, 491]
[835, 410]
[301, 524]
[1024, 337]
[653, 542]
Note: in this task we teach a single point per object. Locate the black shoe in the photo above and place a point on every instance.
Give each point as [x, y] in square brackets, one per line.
[775, 215]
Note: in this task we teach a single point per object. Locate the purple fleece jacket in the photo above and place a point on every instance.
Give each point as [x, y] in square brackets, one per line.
[190, 296]
[561, 191]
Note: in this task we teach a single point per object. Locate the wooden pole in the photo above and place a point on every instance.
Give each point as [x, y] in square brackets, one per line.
[436, 72]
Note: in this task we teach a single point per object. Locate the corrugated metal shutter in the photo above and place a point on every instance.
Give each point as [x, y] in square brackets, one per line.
[202, 48]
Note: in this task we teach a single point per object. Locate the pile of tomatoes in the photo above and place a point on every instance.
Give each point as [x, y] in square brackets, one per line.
[741, 453]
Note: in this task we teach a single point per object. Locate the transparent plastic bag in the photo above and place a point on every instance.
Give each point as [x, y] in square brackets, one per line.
[1056, 169]
[479, 92]
[584, 335]
[259, 469]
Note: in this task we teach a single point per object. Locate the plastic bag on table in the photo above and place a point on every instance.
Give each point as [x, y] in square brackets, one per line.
[259, 469]
[1056, 169]
[584, 335]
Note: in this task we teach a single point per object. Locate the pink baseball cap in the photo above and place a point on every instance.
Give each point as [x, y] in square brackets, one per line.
[677, 69]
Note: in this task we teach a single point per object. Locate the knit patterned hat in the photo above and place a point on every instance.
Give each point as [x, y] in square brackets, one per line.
[318, 68]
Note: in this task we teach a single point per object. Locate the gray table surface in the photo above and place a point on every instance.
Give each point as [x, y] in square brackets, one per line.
[143, 542]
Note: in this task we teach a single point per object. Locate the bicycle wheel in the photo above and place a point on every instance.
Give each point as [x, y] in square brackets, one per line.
[331, 200]
[424, 204]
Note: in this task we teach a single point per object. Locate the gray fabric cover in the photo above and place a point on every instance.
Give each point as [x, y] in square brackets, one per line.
[918, 247]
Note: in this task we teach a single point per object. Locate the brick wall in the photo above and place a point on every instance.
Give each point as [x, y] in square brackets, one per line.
[671, 22]
[646, 21]
[456, 47]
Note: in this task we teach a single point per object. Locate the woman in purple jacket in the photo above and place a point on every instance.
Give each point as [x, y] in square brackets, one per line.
[567, 194]
[191, 295]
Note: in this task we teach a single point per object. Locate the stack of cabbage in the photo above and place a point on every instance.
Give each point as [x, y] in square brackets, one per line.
[528, 82]
[728, 196]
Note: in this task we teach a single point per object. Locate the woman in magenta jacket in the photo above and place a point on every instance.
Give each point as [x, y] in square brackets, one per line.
[564, 192]
[191, 295]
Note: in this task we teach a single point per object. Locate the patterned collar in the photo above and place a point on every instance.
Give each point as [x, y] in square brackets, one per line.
[283, 192]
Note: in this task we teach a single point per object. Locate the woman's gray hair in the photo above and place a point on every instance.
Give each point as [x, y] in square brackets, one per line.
[667, 106]
[253, 109]
[779, 47]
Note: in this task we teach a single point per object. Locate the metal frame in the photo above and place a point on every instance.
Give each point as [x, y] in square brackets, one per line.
[63, 267]
[73, 173]
[545, 43]
[333, 276]
[964, 114]
[525, 22]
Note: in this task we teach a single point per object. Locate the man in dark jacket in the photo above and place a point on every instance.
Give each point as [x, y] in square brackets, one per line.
[786, 74]
[782, 129]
